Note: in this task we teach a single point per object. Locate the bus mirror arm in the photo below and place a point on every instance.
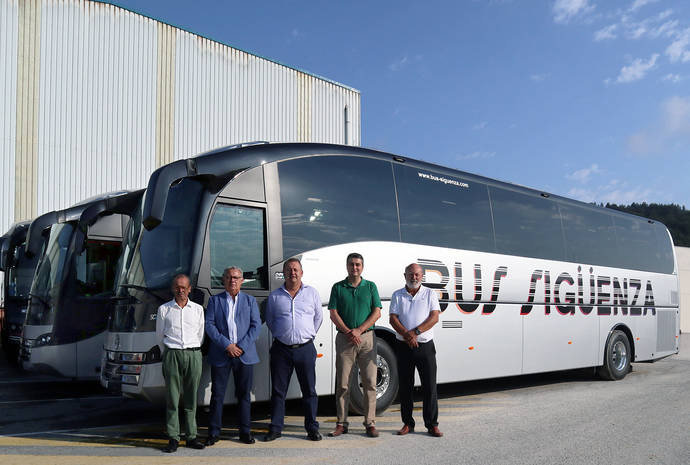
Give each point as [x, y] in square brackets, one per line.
[38, 226]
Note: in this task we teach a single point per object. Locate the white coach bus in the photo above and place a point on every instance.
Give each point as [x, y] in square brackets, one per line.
[528, 281]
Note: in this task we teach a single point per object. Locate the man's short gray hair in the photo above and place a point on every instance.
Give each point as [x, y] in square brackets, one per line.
[226, 272]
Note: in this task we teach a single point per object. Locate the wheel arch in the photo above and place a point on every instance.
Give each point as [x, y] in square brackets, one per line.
[628, 333]
[386, 334]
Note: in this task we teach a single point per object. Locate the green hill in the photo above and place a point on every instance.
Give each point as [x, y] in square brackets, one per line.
[675, 217]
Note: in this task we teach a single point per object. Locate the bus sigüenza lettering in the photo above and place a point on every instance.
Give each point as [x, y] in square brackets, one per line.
[609, 294]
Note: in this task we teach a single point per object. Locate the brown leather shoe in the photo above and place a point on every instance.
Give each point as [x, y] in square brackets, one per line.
[339, 429]
[371, 432]
[405, 430]
[435, 432]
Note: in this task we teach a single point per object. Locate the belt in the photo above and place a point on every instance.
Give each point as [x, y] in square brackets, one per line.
[363, 332]
[293, 346]
[188, 348]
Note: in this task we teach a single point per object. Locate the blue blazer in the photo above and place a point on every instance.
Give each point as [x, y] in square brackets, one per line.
[247, 321]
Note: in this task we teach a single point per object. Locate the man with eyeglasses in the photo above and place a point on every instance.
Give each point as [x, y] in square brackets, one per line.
[232, 325]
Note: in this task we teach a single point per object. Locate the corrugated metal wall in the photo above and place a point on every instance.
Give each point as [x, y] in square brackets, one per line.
[95, 97]
[9, 14]
[98, 101]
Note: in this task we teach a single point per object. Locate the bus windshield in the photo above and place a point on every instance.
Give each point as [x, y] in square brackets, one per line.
[21, 274]
[150, 259]
[46, 287]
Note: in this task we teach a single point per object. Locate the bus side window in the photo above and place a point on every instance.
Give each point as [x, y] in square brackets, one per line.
[443, 211]
[237, 238]
[328, 200]
[589, 236]
[527, 225]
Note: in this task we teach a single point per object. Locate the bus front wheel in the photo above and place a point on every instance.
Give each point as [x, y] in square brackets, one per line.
[616, 357]
[386, 381]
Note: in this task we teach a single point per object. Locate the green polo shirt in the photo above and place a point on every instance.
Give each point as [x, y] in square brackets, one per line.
[354, 304]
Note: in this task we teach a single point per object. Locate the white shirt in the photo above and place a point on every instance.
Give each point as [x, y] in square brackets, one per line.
[412, 311]
[180, 328]
[232, 327]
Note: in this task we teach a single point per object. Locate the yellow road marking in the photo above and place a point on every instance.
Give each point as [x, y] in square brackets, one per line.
[148, 460]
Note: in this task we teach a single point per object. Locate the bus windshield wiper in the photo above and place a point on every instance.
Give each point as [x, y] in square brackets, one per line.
[143, 288]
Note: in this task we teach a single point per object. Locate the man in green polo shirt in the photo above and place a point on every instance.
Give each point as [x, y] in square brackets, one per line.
[355, 306]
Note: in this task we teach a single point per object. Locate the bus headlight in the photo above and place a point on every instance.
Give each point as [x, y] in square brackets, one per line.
[131, 357]
[43, 340]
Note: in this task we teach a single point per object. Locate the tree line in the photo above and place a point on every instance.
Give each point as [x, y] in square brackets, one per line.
[675, 217]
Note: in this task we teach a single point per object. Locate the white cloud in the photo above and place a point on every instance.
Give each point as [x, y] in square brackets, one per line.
[539, 77]
[637, 69]
[674, 78]
[584, 174]
[480, 126]
[565, 10]
[609, 194]
[677, 115]
[606, 33]
[637, 4]
[397, 65]
[476, 156]
[669, 134]
[679, 50]
[667, 29]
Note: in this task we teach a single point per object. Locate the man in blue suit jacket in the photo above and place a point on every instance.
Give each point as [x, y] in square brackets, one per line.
[232, 326]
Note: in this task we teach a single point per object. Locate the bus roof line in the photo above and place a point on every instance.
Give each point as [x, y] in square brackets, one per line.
[73, 213]
[216, 168]
[121, 204]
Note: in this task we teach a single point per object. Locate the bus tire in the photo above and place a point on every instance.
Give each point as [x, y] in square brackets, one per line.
[616, 357]
[386, 381]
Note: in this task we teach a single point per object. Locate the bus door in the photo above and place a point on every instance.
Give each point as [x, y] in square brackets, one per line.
[237, 237]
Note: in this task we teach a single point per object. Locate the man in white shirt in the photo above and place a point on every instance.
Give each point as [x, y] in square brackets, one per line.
[179, 332]
[414, 311]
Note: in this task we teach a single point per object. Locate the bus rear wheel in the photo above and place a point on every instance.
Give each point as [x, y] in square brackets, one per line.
[616, 357]
[386, 381]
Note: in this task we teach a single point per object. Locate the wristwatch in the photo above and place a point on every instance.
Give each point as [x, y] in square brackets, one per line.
[417, 331]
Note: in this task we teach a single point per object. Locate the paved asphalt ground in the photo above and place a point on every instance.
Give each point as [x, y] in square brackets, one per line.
[556, 418]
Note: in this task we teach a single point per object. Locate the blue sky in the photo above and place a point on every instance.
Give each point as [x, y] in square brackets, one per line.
[584, 98]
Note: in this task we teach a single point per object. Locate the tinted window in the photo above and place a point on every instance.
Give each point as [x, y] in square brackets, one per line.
[331, 200]
[526, 225]
[166, 250]
[95, 267]
[589, 236]
[638, 246]
[665, 249]
[443, 211]
[237, 239]
[21, 273]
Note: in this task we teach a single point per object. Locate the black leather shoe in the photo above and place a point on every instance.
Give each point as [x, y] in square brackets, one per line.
[247, 438]
[272, 436]
[314, 435]
[195, 444]
[171, 447]
[211, 440]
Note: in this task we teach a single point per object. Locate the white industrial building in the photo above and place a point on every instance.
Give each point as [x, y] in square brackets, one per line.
[95, 97]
